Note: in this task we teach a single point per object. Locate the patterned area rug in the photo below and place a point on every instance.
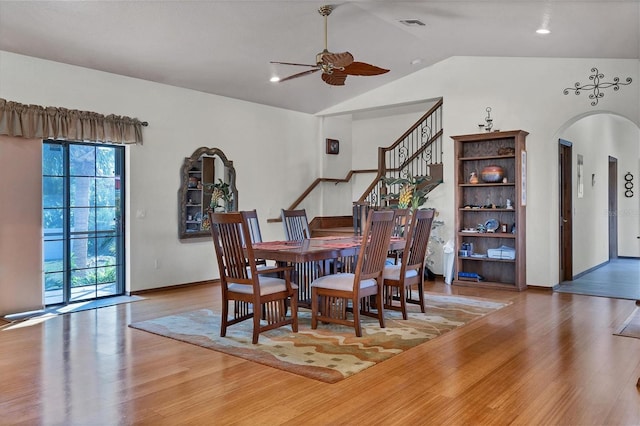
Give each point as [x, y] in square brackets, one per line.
[631, 327]
[331, 352]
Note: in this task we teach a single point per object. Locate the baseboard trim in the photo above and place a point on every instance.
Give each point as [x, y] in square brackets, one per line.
[174, 287]
[540, 287]
[575, 277]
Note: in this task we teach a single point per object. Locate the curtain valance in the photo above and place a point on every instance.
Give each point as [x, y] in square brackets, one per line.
[34, 121]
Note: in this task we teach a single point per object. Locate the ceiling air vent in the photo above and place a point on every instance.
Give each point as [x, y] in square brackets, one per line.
[412, 22]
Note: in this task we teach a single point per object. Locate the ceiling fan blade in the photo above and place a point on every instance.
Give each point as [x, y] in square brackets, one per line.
[292, 63]
[336, 78]
[360, 68]
[337, 60]
[300, 74]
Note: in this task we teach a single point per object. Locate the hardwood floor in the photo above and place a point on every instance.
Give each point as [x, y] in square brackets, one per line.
[549, 358]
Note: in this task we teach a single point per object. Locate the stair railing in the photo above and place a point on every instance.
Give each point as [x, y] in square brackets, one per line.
[317, 182]
[418, 152]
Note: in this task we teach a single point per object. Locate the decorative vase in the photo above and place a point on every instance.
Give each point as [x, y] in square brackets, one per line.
[492, 174]
[473, 179]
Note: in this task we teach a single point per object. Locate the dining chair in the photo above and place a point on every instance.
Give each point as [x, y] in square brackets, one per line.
[254, 232]
[254, 295]
[401, 222]
[333, 296]
[296, 226]
[399, 279]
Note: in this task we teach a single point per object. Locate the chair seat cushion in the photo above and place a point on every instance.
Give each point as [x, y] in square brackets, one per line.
[342, 281]
[268, 285]
[392, 272]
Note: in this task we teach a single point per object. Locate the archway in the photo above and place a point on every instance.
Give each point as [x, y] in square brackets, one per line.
[596, 137]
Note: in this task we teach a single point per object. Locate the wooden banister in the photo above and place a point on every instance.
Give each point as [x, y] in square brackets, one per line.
[317, 182]
[418, 152]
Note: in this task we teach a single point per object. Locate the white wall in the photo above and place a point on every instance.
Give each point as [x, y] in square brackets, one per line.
[524, 93]
[275, 153]
[336, 198]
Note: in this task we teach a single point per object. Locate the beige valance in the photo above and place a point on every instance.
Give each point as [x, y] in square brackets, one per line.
[34, 121]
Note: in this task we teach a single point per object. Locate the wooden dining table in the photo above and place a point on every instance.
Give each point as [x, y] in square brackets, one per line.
[311, 257]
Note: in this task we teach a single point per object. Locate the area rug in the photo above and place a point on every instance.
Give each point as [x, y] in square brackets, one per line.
[331, 352]
[631, 326]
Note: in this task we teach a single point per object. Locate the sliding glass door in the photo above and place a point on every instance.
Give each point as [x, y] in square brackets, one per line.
[83, 238]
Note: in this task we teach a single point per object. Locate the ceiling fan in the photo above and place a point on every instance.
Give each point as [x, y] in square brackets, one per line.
[335, 67]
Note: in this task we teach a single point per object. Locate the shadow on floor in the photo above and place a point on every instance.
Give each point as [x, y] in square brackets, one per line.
[618, 279]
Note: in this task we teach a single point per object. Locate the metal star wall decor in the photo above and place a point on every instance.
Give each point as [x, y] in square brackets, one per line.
[596, 86]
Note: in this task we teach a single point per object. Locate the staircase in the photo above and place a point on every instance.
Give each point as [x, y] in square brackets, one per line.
[418, 152]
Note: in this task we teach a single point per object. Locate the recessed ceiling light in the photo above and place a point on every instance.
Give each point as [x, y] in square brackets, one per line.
[274, 79]
[416, 61]
[543, 31]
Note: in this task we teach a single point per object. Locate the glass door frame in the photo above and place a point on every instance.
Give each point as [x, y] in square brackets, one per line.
[101, 240]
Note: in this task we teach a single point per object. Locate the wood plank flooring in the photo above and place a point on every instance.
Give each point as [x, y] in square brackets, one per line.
[549, 358]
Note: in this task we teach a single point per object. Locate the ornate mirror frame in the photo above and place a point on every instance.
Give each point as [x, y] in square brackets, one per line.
[199, 176]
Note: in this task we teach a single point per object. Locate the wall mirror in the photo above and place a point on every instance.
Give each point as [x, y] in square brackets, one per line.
[207, 180]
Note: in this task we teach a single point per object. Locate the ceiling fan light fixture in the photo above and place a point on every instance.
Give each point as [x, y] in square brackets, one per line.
[334, 67]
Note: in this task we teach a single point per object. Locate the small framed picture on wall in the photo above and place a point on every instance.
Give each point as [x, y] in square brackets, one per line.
[333, 146]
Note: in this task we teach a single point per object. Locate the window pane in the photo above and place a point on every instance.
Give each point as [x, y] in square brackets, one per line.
[82, 222]
[106, 275]
[106, 192]
[82, 277]
[106, 251]
[53, 255]
[52, 160]
[53, 281]
[82, 191]
[52, 190]
[106, 219]
[105, 161]
[52, 222]
[82, 160]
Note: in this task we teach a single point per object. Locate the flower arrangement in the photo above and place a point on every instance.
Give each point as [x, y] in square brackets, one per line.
[413, 191]
[220, 191]
[413, 194]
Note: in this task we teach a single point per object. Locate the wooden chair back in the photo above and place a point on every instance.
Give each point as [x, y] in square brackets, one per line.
[230, 233]
[296, 226]
[417, 236]
[262, 299]
[254, 225]
[399, 279]
[375, 245]
[401, 222]
[254, 231]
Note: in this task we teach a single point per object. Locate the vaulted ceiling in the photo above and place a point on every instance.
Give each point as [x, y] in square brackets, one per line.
[225, 47]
